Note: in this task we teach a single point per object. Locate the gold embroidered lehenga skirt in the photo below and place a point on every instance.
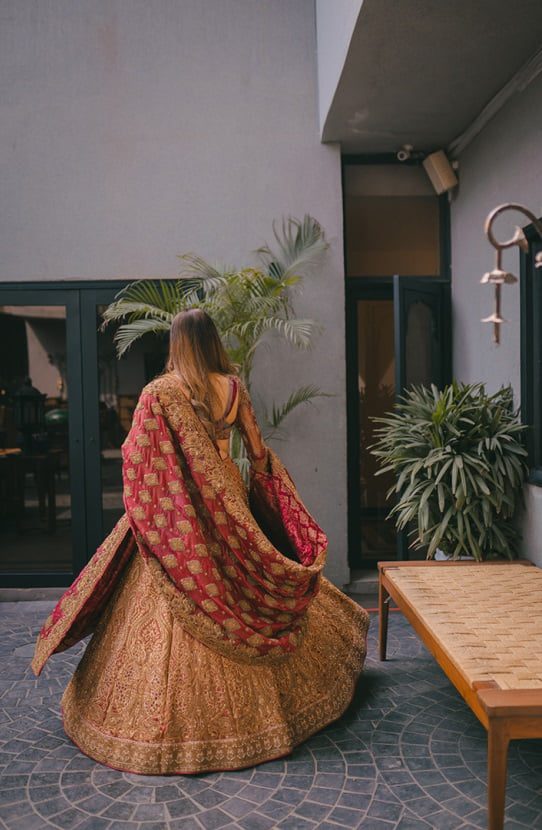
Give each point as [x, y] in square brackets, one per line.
[147, 697]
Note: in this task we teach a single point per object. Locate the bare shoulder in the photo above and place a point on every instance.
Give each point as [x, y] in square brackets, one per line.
[222, 382]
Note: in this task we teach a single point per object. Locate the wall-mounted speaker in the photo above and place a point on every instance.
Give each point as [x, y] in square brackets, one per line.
[440, 171]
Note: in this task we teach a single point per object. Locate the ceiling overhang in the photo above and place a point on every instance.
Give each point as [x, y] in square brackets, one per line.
[420, 72]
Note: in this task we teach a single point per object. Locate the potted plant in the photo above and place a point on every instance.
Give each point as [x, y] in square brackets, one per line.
[247, 304]
[460, 467]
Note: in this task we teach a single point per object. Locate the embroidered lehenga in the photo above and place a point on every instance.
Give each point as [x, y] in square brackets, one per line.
[217, 642]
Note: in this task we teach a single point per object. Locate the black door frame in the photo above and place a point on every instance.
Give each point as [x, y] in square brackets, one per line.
[357, 288]
[80, 298]
[97, 295]
[382, 288]
[374, 287]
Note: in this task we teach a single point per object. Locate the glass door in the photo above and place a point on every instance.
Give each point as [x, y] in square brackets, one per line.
[422, 310]
[110, 393]
[66, 405]
[398, 333]
[422, 330]
[42, 521]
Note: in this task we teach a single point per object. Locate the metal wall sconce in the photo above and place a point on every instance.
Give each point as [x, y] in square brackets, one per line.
[498, 277]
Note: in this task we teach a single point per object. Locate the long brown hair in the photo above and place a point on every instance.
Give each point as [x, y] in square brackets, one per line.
[196, 350]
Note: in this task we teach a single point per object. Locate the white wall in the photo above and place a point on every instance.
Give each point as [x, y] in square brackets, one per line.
[502, 164]
[335, 24]
[135, 131]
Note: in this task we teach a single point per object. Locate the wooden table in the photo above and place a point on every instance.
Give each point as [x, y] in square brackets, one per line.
[483, 624]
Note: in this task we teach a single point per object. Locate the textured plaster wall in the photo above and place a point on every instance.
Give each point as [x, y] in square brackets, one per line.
[502, 164]
[134, 131]
[335, 24]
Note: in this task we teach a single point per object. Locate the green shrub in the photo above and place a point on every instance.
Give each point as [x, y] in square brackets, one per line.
[460, 467]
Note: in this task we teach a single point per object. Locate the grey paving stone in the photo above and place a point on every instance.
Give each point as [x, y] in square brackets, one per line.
[237, 807]
[266, 779]
[212, 819]
[148, 812]
[443, 820]
[290, 796]
[76, 792]
[346, 816]
[230, 786]
[210, 798]
[53, 806]
[182, 807]
[250, 792]
[139, 795]
[15, 810]
[44, 793]
[385, 810]
[312, 810]
[69, 819]
[255, 821]
[295, 823]
[300, 782]
[411, 822]
[95, 803]
[408, 755]
[116, 789]
[359, 785]
[28, 822]
[119, 810]
[357, 801]
[275, 809]
[185, 824]
[94, 823]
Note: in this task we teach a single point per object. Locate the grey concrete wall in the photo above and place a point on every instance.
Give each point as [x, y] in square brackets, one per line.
[335, 24]
[502, 164]
[135, 131]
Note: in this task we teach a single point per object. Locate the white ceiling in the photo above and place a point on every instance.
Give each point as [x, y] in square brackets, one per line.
[420, 71]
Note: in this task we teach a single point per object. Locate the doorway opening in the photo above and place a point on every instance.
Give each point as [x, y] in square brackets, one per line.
[66, 405]
[397, 326]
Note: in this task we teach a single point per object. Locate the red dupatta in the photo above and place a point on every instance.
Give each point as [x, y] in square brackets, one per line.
[225, 580]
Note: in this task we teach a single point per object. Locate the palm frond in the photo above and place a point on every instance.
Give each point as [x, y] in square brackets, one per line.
[300, 246]
[273, 422]
[144, 298]
[126, 335]
[196, 268]
[297, 331]
[246, 304]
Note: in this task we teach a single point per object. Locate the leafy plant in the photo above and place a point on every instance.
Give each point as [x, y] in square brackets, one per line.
[248, 305]
[460, 466]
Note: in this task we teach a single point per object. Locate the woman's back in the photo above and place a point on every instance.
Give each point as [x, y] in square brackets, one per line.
[224, 414]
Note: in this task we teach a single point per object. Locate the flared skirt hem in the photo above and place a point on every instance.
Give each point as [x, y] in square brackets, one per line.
[118, 753]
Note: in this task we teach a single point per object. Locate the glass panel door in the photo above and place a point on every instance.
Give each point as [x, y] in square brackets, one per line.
[422, 331]
[111, 391]
[422, 341]
[41, 522]
[376, 388]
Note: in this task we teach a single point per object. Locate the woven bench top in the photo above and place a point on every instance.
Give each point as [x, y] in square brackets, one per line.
[487, 618]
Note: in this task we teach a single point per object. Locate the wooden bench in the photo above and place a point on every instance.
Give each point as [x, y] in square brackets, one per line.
[483, 624]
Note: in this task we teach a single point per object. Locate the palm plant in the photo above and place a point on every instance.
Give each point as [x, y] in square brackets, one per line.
[460, 467]
[248, 305]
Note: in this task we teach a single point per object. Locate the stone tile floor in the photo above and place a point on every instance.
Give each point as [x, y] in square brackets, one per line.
[408, 755]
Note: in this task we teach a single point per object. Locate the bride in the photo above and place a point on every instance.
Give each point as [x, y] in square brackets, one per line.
[217, 642]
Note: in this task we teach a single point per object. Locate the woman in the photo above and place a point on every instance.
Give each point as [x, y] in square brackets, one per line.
[217, 643]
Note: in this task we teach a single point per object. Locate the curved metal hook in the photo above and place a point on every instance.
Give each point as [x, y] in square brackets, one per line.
[519, 236]
[498, 277]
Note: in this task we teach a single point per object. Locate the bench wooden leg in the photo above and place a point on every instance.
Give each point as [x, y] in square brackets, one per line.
[497, 763]
[383, 610]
